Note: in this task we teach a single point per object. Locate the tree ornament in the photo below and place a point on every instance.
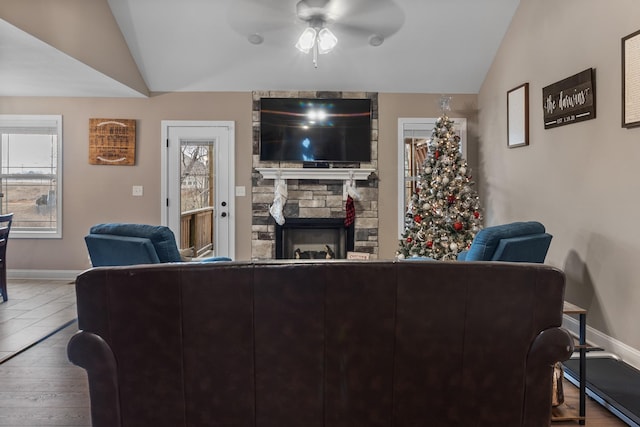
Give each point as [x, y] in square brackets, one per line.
[458, 226]
[417, 218]
[453, 246]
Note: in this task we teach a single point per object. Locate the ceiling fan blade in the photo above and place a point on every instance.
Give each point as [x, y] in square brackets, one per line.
[261, 16]
[353, 20]
[380, 17]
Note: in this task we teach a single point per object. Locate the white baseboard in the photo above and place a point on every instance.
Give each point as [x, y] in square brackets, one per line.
[43, 274]
[596, 338]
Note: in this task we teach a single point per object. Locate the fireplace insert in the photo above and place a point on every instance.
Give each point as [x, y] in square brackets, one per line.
[314, 238]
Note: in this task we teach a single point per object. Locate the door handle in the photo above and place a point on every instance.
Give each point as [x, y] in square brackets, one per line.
[223, 214]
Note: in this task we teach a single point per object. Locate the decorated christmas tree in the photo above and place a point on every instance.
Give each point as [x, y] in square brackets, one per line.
[444, 214]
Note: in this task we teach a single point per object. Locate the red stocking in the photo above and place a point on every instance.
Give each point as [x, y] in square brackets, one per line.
[351, 212]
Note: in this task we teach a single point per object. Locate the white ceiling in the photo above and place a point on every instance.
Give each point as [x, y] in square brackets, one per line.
[430, 46]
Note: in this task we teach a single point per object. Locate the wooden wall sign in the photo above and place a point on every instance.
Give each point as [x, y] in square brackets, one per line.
[570, 100]
[112, 142]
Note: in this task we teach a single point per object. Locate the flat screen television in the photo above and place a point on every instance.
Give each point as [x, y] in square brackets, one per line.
[315, 130]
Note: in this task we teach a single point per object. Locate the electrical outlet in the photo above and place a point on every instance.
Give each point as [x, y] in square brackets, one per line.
[137, 190]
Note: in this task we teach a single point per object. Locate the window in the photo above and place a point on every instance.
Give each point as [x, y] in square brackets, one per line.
[413, 137]
[31, 174]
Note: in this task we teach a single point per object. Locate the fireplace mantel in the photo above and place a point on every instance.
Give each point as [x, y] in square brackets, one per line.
[315, 173]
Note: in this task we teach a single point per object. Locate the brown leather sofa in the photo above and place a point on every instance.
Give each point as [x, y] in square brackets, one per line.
[311, 344]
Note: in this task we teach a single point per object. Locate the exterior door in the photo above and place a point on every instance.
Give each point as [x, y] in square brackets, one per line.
[414, 135]
[198, 183]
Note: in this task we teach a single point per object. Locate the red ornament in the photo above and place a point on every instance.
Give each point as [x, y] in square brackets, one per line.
[451, 199]
[457, 225]
[417, 219]
[476, 214]
[409, 240]
[437, 154]
[429, 244]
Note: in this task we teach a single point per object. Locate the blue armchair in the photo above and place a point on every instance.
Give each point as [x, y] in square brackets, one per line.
[515, 242]
[131, 244]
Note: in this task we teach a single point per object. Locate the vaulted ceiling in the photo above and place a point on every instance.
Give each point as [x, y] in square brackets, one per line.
[133, 48]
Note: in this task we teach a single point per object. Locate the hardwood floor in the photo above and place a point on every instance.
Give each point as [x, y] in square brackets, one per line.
[597, 415]
[35, 308]
[40, 387]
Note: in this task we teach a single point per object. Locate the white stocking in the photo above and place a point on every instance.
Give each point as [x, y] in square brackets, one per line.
[279, 200]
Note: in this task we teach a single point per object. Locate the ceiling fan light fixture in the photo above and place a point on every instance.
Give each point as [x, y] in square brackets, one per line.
[326, 41]
[306, 40]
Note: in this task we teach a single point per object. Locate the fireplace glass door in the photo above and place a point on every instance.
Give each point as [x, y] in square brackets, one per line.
[316, 243]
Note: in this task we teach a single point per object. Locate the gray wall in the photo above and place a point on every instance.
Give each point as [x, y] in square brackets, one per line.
[580, 179]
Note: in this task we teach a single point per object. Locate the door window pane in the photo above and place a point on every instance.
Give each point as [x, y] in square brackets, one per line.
[197, 186]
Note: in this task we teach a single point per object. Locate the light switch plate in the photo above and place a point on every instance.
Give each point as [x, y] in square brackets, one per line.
[241, 191]
[137, 190]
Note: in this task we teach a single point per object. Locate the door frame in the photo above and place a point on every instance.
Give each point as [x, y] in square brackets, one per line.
[230, 178]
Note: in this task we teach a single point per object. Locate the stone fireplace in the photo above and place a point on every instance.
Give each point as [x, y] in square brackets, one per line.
[314, 194]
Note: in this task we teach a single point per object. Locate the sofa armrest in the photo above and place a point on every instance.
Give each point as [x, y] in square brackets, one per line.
[550, 346]
[161, 237]
[215, 259]
[93, 354]
[531, 248]
[112, 250]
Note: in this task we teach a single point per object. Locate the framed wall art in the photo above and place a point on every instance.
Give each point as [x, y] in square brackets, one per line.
[112, 142]
[518, 116]
[631, 80]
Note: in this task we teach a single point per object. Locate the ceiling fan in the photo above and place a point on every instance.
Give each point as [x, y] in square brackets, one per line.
[354, 23]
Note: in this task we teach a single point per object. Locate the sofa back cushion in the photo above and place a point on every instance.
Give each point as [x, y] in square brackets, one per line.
[162, 238]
